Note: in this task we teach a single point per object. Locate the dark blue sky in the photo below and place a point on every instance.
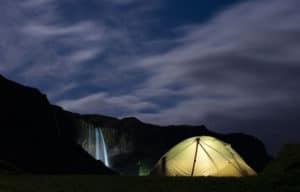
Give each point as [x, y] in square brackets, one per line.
[231, 65]
[176, 13]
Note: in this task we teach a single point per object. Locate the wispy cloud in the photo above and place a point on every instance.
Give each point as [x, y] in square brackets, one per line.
[240, 67]
[35, 3]
[40, 45]
[247, 57]
[238, 70]
[105, 103]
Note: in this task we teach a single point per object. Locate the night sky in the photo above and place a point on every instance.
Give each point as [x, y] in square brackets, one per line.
[229, 64]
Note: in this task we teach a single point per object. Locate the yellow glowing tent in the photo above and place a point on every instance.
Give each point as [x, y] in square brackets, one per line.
[202, 156]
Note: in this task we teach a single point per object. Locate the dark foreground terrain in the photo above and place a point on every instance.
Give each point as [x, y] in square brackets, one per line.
[281, 175]
[113, 183]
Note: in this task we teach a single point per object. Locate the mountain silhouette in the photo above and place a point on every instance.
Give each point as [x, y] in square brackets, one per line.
[31, 138]
[38, 137]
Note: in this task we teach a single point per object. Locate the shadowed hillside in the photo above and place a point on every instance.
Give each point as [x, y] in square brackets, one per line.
[134, 145]
[31, 138]
[38, 137]
[287, 162]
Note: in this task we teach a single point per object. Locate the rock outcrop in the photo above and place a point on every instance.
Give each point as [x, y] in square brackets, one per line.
[31, 137]
[134, 145]
[38, 137]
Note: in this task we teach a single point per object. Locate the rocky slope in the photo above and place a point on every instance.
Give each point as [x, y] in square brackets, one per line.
[38, 137]
[31, 138]
[134, 145]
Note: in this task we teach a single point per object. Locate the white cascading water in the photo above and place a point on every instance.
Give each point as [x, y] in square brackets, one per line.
[97, 146]
[103, 156]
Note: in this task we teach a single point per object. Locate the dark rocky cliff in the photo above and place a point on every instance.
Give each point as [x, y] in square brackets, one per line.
[41, 138]
[133, 145]
[31, 138]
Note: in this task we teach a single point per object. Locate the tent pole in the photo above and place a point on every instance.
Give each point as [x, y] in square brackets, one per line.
[195, 158]
[212, 160]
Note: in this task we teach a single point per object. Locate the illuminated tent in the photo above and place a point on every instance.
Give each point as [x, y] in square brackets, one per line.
[202, 156]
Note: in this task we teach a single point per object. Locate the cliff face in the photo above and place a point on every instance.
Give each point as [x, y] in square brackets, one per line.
[31, 138]
[41, 138]
[134, 145]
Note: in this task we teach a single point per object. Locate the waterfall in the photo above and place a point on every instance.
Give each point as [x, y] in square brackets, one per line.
[104, 149]
[96, 145]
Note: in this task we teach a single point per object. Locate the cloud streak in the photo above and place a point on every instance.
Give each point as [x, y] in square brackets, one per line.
[238, 71]
[242, 66]
[40, 45]
[104, 103]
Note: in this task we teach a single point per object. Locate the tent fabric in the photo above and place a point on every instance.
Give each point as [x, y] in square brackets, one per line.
[202, 156]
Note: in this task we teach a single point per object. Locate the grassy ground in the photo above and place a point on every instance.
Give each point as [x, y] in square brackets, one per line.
[114, 183]
[281, 175]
